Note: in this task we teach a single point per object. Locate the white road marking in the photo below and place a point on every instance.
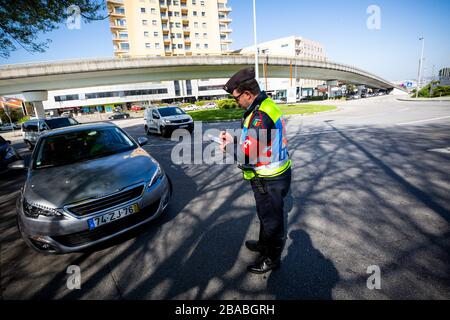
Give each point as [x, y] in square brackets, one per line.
[441, 150]
[424, 120]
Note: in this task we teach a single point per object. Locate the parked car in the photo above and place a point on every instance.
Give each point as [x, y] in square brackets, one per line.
[119, 115]
[9, 127]
[136, 108]
[8, 154]
[33, 129]
[166, 119]
[87, 184]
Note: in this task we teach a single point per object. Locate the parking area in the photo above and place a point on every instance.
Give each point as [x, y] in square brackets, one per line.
[371, 185]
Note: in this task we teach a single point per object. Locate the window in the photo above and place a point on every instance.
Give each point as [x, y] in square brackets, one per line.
[285, 45]
[195, 24]
[180, 46]
[153, 11]
[204, 24]
[125, 46]
[146, 34]
[179, 35]
[154, 22]
[194, 13]
[197, 45]
[147, 45]
[142, 10]
[203, 14]
[197, 35]
[155, 33]
[206, 46]
[202, 3]
[176, 14]
[194, 2]
[205, 35]
[177, 24]
[144, 22]
[176, 2]
[157, 45]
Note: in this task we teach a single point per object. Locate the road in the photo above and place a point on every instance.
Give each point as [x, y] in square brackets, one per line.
[371, 187]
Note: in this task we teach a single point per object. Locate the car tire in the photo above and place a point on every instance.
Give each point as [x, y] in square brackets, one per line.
[164, 132]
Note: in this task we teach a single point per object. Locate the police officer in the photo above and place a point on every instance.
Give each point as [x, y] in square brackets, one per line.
[264, 159]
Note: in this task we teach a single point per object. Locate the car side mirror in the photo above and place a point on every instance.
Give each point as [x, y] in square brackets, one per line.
[142, 141]
[17, 165]
[8, 141]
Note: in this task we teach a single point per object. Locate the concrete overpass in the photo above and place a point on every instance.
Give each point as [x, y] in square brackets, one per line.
[33, 80]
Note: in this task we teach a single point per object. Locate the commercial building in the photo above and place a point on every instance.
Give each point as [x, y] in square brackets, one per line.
[290, 46]
[444, 77]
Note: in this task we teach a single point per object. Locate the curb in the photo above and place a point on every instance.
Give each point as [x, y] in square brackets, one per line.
[431, 100]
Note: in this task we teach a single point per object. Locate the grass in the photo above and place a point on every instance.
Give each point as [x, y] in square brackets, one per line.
[236, 114]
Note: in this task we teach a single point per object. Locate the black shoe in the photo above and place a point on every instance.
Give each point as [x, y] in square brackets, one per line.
[263, 265]
[253, 245]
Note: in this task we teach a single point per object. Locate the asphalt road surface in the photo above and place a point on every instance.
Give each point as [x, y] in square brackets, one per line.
[371, 187]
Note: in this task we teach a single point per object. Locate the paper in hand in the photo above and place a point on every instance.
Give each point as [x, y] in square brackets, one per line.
[215, 139]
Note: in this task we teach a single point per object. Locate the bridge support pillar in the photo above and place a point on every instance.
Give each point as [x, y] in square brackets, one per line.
[361, 88]
[36, 98]
[331, 84]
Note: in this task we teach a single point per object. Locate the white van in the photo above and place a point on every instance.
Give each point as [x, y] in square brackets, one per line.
[165, 120]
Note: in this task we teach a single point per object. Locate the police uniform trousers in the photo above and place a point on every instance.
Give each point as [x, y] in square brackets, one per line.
[270, 210]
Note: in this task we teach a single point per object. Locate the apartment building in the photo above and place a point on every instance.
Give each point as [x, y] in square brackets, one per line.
[169, 27]
[291, 46]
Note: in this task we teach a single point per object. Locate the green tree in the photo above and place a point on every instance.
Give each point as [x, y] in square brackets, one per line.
[22, 20]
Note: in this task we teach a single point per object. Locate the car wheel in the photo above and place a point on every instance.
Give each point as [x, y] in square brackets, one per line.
[164, 132]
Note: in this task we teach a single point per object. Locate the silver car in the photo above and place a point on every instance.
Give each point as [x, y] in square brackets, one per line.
[86, 184]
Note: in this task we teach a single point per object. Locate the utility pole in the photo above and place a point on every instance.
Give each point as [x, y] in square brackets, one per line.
[420, 67]
[256, 42]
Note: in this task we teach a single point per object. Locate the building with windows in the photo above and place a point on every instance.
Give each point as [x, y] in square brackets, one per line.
[444, 77]
[290, 46]
[169, 27]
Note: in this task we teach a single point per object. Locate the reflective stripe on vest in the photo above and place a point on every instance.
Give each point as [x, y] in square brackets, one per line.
[279, 160]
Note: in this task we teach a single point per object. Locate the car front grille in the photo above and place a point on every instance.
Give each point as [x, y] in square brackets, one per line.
[88, 236]
[180, 121]
[106, 202]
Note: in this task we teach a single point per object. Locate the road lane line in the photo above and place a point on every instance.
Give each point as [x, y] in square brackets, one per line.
[424, 120]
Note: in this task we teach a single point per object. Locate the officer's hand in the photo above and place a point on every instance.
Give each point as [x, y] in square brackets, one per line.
[226, 140]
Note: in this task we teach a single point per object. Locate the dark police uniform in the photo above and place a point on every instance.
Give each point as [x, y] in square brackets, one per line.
[265, 163]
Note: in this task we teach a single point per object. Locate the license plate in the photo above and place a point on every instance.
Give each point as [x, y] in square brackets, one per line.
[184, 126]
[112, 216]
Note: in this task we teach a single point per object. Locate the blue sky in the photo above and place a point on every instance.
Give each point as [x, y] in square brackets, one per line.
[391, 52]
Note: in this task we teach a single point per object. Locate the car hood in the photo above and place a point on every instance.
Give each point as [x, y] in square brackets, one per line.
[58, 186]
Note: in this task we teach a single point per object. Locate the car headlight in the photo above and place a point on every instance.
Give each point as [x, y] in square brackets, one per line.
[33, 210]
[156, 176]
[9, 154]
[167, 121]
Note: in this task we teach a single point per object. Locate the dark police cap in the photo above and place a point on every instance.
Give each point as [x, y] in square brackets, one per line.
[241, 76]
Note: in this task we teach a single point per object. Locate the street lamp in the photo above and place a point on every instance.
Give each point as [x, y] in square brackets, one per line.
[420, 66]
[256, 43]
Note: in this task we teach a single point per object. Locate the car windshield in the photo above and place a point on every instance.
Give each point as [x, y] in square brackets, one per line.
[60, 122]
[171, 111]
[81, 146]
